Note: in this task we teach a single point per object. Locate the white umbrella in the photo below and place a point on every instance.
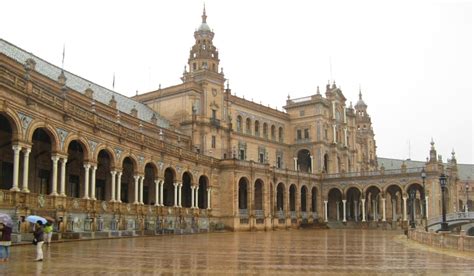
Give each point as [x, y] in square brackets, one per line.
[35, 219]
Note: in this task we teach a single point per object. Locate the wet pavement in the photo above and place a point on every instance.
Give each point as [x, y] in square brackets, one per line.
[297, 252]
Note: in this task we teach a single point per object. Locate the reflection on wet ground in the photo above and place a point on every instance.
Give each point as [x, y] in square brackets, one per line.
[355, 252]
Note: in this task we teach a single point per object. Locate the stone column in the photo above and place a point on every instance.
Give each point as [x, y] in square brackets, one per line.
[62, 184]
[337, 211]
[136, 178]
[325, 211]
[345, 135]
[344, 210]
[94, 169]
[55, 175]
[161, 193]
[157, 192]
[86, 180]
[394, 210]
[209, 198]
[26, 163]
[334, 134]
[383, 209]
[363, 209]
[142, 178]
[180, 186]
[16, 165]
[296, 163]
[404, 208]
[312, 164]
[426, 206]
[175, 194]
[112, 190]
[192, 196]
[119, 187]
[356, 210]
[196, 198]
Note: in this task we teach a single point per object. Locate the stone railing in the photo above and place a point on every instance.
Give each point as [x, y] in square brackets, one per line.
[452, 217]
[373, 173]
[459, 242]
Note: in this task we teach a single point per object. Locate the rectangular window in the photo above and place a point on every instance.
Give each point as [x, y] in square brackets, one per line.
[278, 162]
[242, 154]
[306, 133]
[213, 142]
[298, 134]
[214, 114]
[261, 158]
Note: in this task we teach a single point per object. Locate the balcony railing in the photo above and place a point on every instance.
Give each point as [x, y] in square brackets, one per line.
[374, 173]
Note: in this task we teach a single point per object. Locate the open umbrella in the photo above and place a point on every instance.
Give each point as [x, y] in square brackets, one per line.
[34, 219]
[6, 219]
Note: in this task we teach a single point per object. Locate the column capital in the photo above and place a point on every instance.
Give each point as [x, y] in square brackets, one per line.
[325, 201]
[136, 177]
[362, 199]
[87, 165]
[55, 158]
[344, 200]
[113, 173]
[16, 148]
[26, 151]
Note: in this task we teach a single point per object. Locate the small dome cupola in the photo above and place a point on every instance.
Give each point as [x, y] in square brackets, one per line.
[204, 27]
[360, 103]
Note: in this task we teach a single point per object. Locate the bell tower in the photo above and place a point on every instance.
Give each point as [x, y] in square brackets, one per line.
[203, 56]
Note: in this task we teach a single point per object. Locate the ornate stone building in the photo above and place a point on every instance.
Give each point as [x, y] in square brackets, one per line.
[193, 156]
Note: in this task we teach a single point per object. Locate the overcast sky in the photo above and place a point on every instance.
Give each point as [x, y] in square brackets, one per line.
[412, 59]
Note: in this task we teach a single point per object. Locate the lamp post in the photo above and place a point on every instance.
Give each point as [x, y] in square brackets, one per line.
[423, 177]
[442, 183]
[412, 219]
[466, 188]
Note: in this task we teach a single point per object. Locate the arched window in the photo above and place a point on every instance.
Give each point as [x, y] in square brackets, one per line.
[265, 130]
[257, 128]
[248, 126]
[280, 134]
[273, 132]
[239, 123]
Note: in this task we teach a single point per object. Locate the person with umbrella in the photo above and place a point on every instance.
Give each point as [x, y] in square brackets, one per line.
[5, 236]
[39, 240]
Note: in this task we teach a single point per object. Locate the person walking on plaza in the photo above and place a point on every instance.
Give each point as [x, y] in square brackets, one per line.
[48, 231]
[39, 239]
[5, 242]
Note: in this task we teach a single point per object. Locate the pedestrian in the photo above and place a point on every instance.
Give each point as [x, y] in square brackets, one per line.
[48, 230]
[5, 242]
[39, 240]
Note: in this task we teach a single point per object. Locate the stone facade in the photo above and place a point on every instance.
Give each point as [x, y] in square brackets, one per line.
[193, 156]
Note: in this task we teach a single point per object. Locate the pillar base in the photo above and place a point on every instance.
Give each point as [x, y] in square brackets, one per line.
[54, 194]
[25, 190]
[15, 189]
[86, 197]
[63, 195]
[112, 201]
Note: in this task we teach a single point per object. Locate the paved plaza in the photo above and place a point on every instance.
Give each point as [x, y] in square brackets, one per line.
[296, 252]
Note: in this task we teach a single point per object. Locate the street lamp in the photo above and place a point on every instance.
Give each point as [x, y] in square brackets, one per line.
[423, 177]
[412, 220]
[442, 183]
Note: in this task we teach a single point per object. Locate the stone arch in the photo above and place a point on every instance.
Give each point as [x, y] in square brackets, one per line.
[53, 136]
[129, 171]
[415, 194]
[243, 193]
[110, 152]
[187, 181]
[14, 122]
[6, 152]
[292, 197]
[314, 199]
[334, 204]
[304, 160]
[353, 197]
[76, 160]
[82, 141]
[105, 164]
[394, 200]
[258, 194]
[373, 196]
[303, 198]
[150, 172]
[280, 200]
[248, 126]
[272, 132]
[168, 187]
[202, 192]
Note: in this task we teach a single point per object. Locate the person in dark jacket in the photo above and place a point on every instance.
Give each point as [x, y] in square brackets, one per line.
[39, 238]
[5, 242]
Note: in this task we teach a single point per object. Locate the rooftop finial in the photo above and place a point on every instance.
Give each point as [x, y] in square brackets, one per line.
[228, 83]
[360, 94]
[204, 16]
[64, 53]
[317, 91]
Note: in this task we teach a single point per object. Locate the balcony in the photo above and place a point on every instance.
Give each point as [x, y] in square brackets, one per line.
[215, 122]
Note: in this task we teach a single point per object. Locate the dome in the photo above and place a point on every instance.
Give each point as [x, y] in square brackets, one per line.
[204, 27]
[360, 102]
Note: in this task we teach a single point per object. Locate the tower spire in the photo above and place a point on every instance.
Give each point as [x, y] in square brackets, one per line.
[204, 16]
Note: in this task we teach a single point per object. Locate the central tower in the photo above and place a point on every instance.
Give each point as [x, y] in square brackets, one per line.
[203, 56]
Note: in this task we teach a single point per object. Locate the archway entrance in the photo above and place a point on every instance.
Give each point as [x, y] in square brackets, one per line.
[168, 188]
[243, 190]
[334, 205]
[103, 177]
[353, 204]
[6, 154]
[186, 190]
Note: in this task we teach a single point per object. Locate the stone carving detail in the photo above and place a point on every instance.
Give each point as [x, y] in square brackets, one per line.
[160, 165]
[141, 159]
[104, 206]
[41, 201]
[75, 204]
[25, 121]
[93, 145]
[62, 134]
[118, 152]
